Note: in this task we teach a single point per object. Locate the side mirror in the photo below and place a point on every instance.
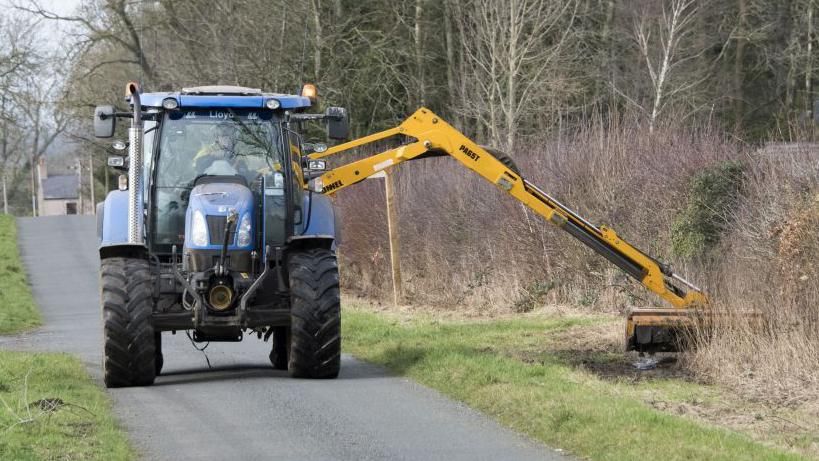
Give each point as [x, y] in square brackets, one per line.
[338, 123]
[104, 121]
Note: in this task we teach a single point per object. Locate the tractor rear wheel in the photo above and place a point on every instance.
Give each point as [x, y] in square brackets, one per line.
[129, 357]
[315, 318]
[504, 158]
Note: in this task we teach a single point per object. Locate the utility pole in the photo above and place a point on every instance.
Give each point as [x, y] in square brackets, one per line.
[392, 227]
[34, 158]
[91, 183]
[79, 185]
[35, 179]
[4, 145]
[5, 197]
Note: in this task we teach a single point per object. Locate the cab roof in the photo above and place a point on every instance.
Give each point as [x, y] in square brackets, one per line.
[222, 96]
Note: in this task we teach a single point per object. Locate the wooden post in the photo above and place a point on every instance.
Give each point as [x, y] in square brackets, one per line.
[392, 227]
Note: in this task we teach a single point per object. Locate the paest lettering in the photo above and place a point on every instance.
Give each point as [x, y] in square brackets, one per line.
[469, 153]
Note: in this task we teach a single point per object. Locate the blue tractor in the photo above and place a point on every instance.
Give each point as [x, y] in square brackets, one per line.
[212, 231]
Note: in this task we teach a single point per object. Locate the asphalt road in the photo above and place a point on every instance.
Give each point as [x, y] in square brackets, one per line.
[241, 408]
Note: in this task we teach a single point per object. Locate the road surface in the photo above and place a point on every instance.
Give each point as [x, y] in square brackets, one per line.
[241, 408]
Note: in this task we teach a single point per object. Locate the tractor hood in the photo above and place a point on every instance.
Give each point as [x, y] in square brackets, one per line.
[212, 199]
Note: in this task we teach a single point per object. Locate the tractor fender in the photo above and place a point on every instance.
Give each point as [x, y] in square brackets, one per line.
[322, 222]
[112, 227]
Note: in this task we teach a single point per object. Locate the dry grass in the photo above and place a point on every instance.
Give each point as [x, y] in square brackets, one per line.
[769, 266]
[467, 247]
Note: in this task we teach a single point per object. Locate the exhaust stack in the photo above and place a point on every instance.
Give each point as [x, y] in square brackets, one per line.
[135, 216]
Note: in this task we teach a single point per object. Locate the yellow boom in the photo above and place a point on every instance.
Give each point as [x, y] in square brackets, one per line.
[645, 328]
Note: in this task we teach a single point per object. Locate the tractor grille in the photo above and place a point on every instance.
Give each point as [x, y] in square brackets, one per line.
[216, 230]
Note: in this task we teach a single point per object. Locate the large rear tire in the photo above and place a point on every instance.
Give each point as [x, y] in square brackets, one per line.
[315, 319]
[129, 357]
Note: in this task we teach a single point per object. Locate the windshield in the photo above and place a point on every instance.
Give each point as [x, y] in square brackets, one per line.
[217, 142]
[209, 142]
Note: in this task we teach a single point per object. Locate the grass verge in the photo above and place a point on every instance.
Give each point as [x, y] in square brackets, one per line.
[503, 369]
[17, 309]
[49, 406]
[51, 409]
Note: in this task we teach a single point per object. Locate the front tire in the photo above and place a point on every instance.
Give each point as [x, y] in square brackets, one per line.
[315, 318]
[129, 357]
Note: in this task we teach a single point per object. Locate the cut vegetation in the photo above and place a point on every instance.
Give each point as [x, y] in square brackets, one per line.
[561, 380]
[17, 311]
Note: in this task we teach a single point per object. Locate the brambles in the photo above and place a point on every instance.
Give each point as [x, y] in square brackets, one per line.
[714, 193]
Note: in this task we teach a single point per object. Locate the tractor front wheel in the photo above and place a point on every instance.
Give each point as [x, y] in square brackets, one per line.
[315, 314]
[129, 357]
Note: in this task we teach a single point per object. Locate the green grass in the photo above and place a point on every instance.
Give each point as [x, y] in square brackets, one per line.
[501, 369]
[49, 406]
[80, 427]
[17, 310]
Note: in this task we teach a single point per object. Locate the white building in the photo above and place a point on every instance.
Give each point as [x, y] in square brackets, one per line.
[58, 194]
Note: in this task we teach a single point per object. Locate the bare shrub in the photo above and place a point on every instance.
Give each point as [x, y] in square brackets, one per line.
[768, 269]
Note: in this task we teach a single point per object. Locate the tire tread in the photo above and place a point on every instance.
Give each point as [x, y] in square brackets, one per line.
[128, 335]
[315, 340]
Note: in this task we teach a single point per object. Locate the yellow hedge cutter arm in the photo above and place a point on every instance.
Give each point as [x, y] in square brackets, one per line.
[646, 329]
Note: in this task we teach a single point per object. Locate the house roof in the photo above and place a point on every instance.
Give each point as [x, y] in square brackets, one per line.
[60, 187]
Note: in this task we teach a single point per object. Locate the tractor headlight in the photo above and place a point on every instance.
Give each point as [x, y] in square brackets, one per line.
[243, 238]
[199, 229]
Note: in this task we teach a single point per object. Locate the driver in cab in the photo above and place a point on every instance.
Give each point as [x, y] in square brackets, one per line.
[219, 157]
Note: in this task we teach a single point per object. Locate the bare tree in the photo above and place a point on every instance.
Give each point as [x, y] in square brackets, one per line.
[418, 41]
[29, 92]
[664, 58]
[809, 56]
[515, 51]
[107, 22]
